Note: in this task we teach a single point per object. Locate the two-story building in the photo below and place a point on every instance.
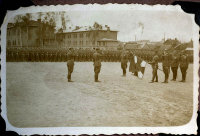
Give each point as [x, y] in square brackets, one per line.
[87, 36]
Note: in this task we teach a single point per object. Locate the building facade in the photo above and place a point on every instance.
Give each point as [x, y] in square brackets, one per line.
[87, 37]
[39, 34]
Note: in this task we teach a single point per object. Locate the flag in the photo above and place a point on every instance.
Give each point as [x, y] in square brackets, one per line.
[137, 66]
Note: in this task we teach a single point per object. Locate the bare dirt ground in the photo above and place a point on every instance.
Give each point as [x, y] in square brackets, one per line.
[38, 95]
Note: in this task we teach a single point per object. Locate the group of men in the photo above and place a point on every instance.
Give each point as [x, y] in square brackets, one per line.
[97, 56]
[169, 60]
[174, 60]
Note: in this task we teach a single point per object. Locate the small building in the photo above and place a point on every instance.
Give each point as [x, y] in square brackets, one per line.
[132, 45]
[108, 43]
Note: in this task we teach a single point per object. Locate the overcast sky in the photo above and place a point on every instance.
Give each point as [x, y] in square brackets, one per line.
[148, 25]
[144, 25]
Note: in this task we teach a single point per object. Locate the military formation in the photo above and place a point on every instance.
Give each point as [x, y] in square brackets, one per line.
[28, 54]
[169, 59]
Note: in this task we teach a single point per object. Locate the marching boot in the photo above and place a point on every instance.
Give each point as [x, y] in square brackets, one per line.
[151, 81]
[69, 78]
[95, 78]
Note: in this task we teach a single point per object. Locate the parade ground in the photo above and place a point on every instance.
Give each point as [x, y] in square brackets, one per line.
[38, 95]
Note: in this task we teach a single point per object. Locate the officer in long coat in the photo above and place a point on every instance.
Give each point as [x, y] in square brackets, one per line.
[70, 63]
[97, 64]
[154, 64]
[166, 65]
[174, 64]
[124, 61]
[184, 62]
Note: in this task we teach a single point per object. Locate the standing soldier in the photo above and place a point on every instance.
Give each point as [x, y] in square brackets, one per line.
[46, 56]
[17, 56]
[174, 64]
[124, 61]
[23, 56]
[50, 56]
[31, 56]
[42, 56]
[37, 56]
[166, 65]
[184, 62]
[12, 56]
[59, 56]
[97, 64]
[70, 64]
[154, 64]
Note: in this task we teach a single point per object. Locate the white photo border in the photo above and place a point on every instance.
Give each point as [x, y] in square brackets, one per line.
[189, 128]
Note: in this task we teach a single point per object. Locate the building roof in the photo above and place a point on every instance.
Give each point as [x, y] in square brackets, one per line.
[107, 40]
[30, 23]
[151, 46]
[87, 28]
[133, 45]
[163, 47]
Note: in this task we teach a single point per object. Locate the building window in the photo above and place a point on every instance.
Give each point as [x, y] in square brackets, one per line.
[75, 35]
[81, 35]
[75, 43]
[87, 34]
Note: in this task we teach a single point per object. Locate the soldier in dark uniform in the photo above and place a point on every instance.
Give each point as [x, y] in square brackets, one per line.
[42, 57]
[70, 64]
[23, 56]
[97, 64]
[154, 64]
[174, 64]
[37, 56]
[184, 62]
[166, 65]
[46, 56]
[76, 54]
[65, 56]
[55, 56]
[11, 56]
[51, 57]
[124, 61]
[59, 56]
[17, 56]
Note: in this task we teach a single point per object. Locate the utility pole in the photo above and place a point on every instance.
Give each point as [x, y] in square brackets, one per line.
[164, 37]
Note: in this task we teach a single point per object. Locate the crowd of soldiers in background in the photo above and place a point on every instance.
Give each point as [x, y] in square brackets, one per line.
[22, 54]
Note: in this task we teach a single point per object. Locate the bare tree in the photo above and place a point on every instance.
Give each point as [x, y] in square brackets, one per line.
[18, 19]
[26, 20]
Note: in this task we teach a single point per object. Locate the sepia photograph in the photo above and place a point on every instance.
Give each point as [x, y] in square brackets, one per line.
[100, 66]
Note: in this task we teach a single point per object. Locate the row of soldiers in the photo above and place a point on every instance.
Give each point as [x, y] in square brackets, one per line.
[170, 60]
[60, 55]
